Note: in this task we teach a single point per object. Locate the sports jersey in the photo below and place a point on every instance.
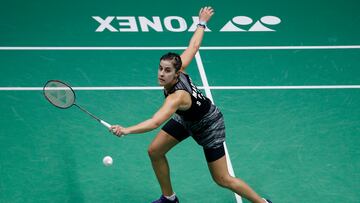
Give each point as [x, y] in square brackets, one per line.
[200, 104]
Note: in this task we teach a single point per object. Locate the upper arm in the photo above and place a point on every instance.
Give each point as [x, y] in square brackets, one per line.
[170, 106]
[187, 56]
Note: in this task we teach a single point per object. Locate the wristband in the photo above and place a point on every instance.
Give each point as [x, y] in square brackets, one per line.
[201, 25]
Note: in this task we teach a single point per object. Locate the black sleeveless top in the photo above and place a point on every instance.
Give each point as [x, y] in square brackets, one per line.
[200, 104]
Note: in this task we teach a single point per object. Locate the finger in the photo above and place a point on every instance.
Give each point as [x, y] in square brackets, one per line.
[114, 126]
[118, 131]
[113, 131]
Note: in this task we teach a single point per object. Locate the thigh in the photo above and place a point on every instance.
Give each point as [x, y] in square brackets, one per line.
[213, 154]
[209, 132]
[176, 128]
[162, 143]
[170, 135]
[218, 168]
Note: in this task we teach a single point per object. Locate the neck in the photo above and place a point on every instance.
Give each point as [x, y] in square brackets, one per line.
[170, 86]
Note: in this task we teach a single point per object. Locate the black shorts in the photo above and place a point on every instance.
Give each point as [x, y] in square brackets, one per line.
[209, 132]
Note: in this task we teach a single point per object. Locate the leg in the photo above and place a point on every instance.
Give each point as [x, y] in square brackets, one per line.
[171, 134]
[162, 143]
[221, 176]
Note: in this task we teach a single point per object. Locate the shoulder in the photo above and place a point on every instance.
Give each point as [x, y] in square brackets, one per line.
[177, 95]
[183, 83]
[179, 98]
[184, 79]
[183, 73]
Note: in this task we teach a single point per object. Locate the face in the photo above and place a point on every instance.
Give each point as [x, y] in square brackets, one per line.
[167, 75]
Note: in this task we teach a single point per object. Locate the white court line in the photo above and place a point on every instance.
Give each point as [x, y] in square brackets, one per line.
[80, 88]
[209, 95]
[181, 48]
[278, 47]
[200, 87]
[301, 87]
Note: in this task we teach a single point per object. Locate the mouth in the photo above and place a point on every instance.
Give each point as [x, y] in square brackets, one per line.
[161, 80]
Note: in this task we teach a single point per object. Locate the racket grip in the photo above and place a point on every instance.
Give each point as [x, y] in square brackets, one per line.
[105, 124]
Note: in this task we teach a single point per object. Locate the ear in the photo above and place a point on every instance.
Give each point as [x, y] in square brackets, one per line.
[177, 74]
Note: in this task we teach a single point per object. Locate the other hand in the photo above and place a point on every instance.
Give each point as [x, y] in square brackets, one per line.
[205, 14]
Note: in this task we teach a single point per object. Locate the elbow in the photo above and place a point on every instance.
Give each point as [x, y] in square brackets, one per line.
[155, 124]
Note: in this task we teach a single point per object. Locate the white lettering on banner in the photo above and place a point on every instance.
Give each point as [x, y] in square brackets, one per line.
[105, 24]
[179, 24]
[181, 21]
[239, 24]
[267, 20]
[129, 22]
[154, 24]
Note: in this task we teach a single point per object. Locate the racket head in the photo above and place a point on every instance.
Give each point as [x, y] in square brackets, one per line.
[59, 94]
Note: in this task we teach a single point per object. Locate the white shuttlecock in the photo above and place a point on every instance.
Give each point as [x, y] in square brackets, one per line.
[108, 161]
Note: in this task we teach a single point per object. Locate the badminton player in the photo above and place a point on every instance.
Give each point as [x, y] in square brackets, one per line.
[187, 112]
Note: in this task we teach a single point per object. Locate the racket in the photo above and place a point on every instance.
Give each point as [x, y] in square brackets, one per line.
[63, 96]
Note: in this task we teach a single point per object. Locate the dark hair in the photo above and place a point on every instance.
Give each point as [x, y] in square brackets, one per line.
[174, 58]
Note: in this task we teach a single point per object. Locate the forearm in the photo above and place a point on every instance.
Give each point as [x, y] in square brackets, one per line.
[143, 127]
[196, 39]
[204, 16]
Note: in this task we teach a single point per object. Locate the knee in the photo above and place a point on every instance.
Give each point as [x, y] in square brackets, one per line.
[223, 181]
[154, 152]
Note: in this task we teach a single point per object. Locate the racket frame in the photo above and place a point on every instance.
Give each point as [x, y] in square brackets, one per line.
[107, 125]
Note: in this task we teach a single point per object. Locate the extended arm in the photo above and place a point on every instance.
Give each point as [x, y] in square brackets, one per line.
[195, 41]
[171, 104]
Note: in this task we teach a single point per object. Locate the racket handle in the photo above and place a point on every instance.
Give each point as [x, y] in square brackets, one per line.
[105, 124]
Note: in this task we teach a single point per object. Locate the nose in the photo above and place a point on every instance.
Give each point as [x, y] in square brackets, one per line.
[161, 73]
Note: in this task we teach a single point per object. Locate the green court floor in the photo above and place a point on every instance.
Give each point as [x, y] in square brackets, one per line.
[290, 144]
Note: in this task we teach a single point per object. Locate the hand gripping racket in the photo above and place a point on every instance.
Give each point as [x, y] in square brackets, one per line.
[62, 96]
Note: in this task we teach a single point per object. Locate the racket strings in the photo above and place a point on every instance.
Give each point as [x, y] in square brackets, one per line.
[63, 96]
[59, 94]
